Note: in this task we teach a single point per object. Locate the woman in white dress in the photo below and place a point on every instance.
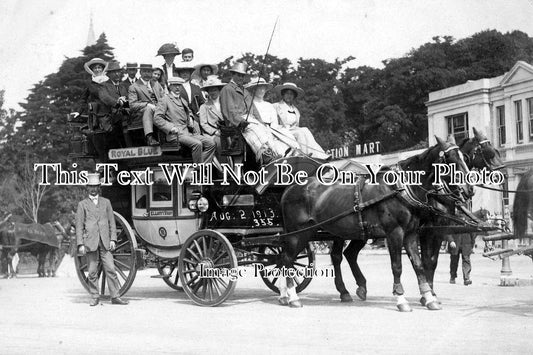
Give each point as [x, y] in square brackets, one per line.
[258, 133]
[289, 118]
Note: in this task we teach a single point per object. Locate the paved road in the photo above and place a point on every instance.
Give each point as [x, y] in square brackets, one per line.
[53, 316]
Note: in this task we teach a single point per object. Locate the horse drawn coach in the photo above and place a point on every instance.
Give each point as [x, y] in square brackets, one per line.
[220, 224]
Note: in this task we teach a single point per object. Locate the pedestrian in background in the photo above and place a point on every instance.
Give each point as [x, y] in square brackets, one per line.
[461, 245]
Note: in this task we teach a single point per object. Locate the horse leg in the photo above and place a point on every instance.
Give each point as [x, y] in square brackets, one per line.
[351, 253]
[41, 259]
[411, 247]
[395, 239]
[54, 259]
[291, 248]
[430, 248]
[336, 260]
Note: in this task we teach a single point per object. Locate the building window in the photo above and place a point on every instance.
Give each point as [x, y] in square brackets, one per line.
[458, 126]
[530, 118]
[519, 126]
[500, 119]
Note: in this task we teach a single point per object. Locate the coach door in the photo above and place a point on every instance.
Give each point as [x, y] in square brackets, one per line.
[160, 212]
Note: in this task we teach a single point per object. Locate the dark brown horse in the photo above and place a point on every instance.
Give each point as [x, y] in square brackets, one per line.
[394, 213]
[44, 241]
[523, 204]
[478, 154]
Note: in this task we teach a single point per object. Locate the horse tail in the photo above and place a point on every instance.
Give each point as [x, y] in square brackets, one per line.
[521, 205]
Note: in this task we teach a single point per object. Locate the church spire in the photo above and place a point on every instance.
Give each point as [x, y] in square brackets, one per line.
[91, 39]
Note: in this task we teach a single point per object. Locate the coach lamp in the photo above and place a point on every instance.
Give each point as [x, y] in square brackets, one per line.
[197, 203]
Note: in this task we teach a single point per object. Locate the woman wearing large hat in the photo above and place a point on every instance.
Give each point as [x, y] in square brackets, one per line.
[210, 114]
[201, 72]
[258, 134]
[289, 118]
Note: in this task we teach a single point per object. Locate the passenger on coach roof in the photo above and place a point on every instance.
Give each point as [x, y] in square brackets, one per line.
[131, 71]
[99, 118]
[114, 98]
[158, 75]
[259, 134]
[168, 51]
[143, 97]
[201, 72]
[190, 92]
[210, 114]
[235, 101]
[289, 118]
[173, 117]
[187, 55]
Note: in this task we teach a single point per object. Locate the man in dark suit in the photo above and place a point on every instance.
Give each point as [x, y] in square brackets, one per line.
[461, 245]
[173, 117]
[96, 238]
[143, 97]
[114, 98]
[131, 70]
[189, 91]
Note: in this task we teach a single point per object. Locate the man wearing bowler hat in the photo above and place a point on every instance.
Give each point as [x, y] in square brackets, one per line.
[131, 71]
[96, 238]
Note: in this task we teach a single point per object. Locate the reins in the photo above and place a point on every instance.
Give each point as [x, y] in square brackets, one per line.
[503, 190]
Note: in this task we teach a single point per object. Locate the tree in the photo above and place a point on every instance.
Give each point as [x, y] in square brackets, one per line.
[29, 192]
[398, 92]
[42, 126]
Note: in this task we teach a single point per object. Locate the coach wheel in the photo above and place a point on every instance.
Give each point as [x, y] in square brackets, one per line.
[305, 260]
[169, 269]
[124, 257]
[211, 252]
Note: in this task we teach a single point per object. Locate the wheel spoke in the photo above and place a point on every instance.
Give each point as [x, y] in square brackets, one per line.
[193, 254]
[216, 287]
[191, 281]
[122, 244]
[121, 273]
[221, 265]
[220, 256]
[224, 284]
[300, 264]
[189, 271]
[198, 248]
[192, 262]
[204, 243]
[301, 256]
[126, 266]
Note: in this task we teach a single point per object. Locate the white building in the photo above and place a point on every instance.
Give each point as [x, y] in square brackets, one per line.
[501, 107]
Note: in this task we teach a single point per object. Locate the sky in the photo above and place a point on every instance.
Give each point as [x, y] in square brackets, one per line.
[37, 35]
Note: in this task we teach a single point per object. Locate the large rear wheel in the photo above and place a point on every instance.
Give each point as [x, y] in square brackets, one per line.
[124, 257]
[212, 253]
